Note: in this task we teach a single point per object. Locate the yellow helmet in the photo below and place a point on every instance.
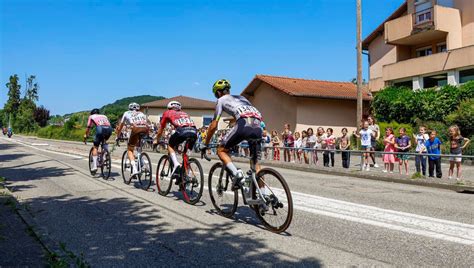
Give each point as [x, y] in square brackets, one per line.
[220, 85]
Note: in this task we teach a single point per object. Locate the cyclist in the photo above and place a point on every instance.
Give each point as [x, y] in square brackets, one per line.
[185, 129]
[247, 127]
[139, 126]
[103, 131]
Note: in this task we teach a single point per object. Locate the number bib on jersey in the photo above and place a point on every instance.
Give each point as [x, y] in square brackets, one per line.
[246, 111]
[138, 120]
[183, 122]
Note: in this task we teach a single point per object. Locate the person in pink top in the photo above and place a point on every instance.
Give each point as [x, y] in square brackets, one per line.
[389, 142]
[103, 131]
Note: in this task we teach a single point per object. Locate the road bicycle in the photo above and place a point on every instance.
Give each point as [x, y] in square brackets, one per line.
[144, 166]
[273, 206]
[104, 161]
[190, 177]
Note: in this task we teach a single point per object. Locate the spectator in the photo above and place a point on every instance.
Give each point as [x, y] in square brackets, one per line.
[456, 147]
[298, 146]
[304, 145]
[420, 160]
[389, 142]
[403, 144]
[330, 142]
[373, 141]
[320, 142]
[310, 144]
[276, 145]
[365, 136]
[344, 146]
[265, 143]
[433, 146]
[288, 142]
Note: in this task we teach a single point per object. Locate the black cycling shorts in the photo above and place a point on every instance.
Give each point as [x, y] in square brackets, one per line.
[245, 129]
[181, 135]
[102, 133]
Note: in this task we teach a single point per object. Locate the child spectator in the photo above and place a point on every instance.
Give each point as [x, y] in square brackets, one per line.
[433, 146]
[266, 143]
[365, 136]
[344, 145]
[320, 142]
[310, 144]
[420, 160]
[403, 144]
[304, 145]
[298, 146]
[276, 144]
[373, 141]
[330, 142]
[456, 146]
[389, 142]
[288, 142]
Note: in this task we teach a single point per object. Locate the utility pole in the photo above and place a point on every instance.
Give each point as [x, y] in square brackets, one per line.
[359, 63]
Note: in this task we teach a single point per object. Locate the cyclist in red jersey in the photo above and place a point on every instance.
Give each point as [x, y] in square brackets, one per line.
[185, 129]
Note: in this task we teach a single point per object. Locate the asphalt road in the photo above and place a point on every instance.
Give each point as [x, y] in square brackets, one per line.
[338, 220]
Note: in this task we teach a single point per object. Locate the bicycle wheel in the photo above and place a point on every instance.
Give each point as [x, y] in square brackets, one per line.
[90, 163]
[106, 165]
[146, 175]
[163, 176]
[193, 183]
[279, 213]
[223, 197]
[126, 168]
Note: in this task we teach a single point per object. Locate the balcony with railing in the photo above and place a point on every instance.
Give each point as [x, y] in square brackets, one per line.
[423, 26]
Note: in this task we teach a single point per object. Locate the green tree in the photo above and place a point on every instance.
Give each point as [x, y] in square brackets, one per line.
[32, 88]
[41, 116]
[13, 102]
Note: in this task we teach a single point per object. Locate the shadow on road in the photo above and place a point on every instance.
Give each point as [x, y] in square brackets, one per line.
[124, 232]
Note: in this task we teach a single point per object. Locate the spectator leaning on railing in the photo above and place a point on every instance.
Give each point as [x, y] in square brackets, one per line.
[345, 145]
[403, 144]
[420, 160]
[389, 143]
[456, 146]
[433, 146]
[376, 130]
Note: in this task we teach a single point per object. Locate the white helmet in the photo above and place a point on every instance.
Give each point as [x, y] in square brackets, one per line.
[134, 106]
[174, 105]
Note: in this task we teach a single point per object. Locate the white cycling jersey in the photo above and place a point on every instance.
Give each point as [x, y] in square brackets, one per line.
[134, 118]
[237, 106]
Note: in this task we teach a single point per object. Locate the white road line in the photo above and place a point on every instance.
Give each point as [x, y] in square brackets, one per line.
[399, 221]
[40, 144]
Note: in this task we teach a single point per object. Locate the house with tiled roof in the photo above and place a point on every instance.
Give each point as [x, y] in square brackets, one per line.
[304, 103]
[201, 111]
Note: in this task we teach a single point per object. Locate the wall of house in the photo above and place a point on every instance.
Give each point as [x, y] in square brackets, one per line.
[154, 114]
[276, 107]
[380, 54]
[467, 20]
[336, 114]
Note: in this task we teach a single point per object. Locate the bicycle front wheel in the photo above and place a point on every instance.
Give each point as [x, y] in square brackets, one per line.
[106, 165]
[91, 161]
[193, 183]
[146, 174]
[223, 198]
[126, 168]
[163, 176]
[278, 213]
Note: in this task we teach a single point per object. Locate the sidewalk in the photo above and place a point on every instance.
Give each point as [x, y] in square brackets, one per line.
[18, 246]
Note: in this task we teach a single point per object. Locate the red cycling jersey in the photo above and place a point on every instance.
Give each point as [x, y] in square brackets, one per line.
[177, 119]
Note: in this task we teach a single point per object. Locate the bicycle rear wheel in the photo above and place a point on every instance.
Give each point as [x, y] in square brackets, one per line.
[279, 213]
[126, 168]
[91, 161]
[223, 198]
[163, 176]
[146, 175]
[193, 183]
[106, 165]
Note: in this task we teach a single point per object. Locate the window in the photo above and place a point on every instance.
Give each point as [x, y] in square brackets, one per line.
[206, 120]
[441, 48]
[438, 80]
[426, 51]
[466, 76]
[423, 11]
[408, 84]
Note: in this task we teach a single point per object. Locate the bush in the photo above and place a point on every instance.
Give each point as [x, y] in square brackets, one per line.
[463, 117]
[61, 133]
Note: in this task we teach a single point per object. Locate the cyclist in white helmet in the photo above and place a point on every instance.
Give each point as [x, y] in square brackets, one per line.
[139, 125]
[185, 129]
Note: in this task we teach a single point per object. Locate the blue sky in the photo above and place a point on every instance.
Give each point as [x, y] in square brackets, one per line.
[89, 53]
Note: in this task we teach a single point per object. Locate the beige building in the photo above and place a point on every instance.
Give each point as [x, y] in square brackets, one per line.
[200, 111]
[423, 44]
[304, 103]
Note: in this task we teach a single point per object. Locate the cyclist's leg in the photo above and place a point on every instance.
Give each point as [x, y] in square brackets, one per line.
[97, 139]
[232, 138]
[132, 142]
[173, 142]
